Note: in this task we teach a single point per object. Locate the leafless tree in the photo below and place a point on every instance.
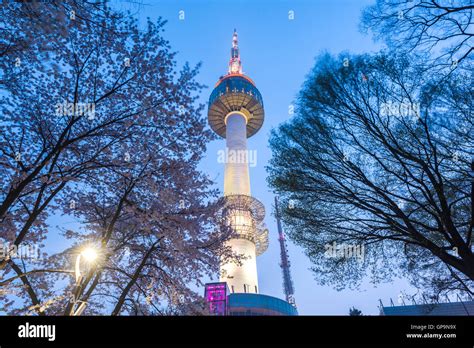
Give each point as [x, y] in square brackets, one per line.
[442, 27]
[380, 157]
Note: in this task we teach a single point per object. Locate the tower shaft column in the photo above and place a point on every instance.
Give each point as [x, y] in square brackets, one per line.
[240, 278]
[236, 179]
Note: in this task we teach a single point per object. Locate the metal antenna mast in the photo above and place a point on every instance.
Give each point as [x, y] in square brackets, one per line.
[285, 262]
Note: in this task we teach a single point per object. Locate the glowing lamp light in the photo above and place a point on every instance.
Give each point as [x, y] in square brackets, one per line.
[89, 254]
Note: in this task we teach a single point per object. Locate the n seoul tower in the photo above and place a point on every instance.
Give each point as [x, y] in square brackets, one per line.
[236, 113]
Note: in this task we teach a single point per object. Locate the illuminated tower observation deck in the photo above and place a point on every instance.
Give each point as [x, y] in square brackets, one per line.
[236, 113]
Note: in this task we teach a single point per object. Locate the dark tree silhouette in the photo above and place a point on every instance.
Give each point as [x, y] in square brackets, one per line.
[442, 27]
[381, 156]
[354, 312]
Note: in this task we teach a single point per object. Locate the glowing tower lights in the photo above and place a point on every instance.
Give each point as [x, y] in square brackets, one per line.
[235, 66]
[236, 113]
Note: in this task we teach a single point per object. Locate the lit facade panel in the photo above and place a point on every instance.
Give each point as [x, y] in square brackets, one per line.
[242, 277]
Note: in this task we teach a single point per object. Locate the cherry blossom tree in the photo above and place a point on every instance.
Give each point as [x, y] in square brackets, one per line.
[97, 122]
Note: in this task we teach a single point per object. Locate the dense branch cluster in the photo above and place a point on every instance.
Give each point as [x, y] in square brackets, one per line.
[381, 155]
[98, 126]
[442, 27]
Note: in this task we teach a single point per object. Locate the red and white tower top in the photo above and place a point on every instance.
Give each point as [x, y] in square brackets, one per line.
[235, 66]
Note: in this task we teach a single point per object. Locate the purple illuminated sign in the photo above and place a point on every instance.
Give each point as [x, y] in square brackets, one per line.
[216, 297]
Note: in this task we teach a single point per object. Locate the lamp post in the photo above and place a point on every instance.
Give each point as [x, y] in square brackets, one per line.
[89, 255]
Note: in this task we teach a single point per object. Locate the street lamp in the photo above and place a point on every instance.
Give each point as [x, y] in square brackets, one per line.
[89, 254]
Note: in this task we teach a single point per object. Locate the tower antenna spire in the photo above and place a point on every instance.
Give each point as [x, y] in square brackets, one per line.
[235, 65]
[285, 261]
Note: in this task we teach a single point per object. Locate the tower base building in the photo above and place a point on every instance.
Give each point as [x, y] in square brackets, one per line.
[221, 301]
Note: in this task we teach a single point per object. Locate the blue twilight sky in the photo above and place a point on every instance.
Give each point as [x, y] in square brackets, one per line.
[276, 53]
